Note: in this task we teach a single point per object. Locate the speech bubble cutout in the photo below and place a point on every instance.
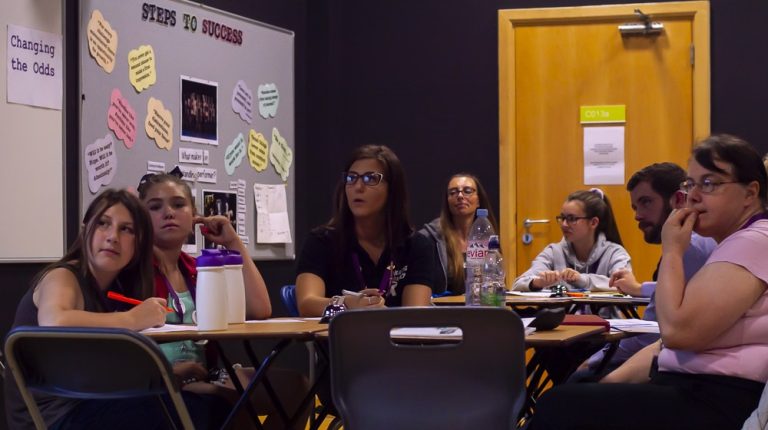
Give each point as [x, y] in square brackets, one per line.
[242, 101]
[159, 124]
[100, 162]
[281, 155]
[269, 98]
[234, 154]
[121, 119]
[141, 67]
[257, 150]
[102, 41]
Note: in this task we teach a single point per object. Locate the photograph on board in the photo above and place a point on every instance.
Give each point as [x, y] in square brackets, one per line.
[216, 202]
[198, 110]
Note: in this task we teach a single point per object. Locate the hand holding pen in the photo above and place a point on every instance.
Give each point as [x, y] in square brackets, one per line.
[367, 298]
[147, 313]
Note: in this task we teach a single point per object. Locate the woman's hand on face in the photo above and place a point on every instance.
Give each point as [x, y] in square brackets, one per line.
[570, 275]
[370, 298]
[218, 229]
[676, 232]
[546, 278]
[149, 313]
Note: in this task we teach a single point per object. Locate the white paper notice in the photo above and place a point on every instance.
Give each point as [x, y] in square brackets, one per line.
[272, 224]
[34, 73]
[603, 155]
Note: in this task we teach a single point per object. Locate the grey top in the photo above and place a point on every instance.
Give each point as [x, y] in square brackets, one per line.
[605, 258]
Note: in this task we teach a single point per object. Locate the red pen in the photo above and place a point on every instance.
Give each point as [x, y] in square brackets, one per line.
[121, 298]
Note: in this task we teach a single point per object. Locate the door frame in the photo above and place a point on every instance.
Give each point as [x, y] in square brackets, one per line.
[509, 19]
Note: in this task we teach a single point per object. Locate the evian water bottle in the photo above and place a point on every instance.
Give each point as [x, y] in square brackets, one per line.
[477, 248]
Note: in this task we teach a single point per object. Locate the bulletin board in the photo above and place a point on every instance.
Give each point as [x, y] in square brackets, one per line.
[174, 83]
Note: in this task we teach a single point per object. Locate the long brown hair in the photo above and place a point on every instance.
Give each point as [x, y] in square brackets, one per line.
[397, 221]
[136, 278]
[455, 269]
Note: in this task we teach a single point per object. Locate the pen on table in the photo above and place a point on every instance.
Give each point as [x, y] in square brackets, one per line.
[575, 294]
[121, 298]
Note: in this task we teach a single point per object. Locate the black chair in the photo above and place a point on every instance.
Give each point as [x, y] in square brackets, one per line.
[88, 363]
[472, 381]
[288, 296]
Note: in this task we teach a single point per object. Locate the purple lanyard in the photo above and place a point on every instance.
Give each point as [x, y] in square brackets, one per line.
[756, 217]
[175, 296]
[386, 279]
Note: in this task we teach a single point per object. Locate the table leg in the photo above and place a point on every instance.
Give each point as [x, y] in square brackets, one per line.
[257, 378]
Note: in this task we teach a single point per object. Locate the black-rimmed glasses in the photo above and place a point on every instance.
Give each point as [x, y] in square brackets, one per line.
[570, 219]
[466, 191]
[370, 179]
[706, 186]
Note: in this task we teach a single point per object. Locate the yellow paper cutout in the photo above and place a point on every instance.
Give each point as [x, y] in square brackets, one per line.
[141, 67]
[257, 150]
[281, 155]
[102, 41]
[159, 124]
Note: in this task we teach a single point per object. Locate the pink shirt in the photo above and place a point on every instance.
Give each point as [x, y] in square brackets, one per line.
[742, 349]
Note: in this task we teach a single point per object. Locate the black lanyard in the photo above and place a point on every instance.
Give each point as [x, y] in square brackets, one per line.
[756, 217]
[386, 278]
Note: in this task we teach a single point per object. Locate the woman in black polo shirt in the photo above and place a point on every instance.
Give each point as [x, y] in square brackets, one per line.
[368, 246]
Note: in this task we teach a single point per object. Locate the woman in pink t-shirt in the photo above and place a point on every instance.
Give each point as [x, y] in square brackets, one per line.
[714, 330]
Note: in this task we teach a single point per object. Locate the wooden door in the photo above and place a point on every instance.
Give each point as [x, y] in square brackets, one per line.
[554, 60]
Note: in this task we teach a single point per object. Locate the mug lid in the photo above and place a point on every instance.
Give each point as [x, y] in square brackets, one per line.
[231, 257]
[210, 258]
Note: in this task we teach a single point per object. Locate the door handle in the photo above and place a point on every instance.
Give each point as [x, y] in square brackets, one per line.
[527, 224]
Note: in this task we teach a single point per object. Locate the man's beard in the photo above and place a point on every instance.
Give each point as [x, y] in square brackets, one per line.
[654, 235]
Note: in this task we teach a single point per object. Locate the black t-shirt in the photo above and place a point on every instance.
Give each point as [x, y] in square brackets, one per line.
[412, 264]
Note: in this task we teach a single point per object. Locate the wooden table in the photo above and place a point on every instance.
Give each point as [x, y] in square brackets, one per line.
[625, 304]
[282, 330]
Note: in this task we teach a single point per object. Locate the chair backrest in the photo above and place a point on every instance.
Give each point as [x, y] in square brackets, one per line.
[382, 383]
[87, 363]
[288, 294]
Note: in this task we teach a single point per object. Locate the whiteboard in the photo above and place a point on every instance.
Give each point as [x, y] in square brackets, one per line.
[31, 155]
[179, 75]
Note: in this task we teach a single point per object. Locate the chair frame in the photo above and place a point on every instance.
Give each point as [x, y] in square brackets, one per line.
[162, 382]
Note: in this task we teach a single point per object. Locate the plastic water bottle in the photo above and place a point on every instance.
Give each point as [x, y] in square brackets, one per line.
[477, 246]
[211, 300]
[233, 273]
[492, 293]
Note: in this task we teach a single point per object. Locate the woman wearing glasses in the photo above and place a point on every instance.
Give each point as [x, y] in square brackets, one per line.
[710, 366]
[368, 245]
[589, 252]
[448, 233]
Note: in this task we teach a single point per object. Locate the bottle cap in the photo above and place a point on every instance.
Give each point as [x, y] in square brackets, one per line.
[482, 212]
[210, 258]
[493, 242]
[232, 258]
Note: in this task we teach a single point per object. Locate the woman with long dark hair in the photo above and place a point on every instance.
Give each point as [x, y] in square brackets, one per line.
[367, 246]
[113, 252]
[589, 252]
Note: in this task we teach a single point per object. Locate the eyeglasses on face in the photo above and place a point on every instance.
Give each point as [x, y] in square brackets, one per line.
[570, 219]
[706, 186]
[466, 191]
[370, 179]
